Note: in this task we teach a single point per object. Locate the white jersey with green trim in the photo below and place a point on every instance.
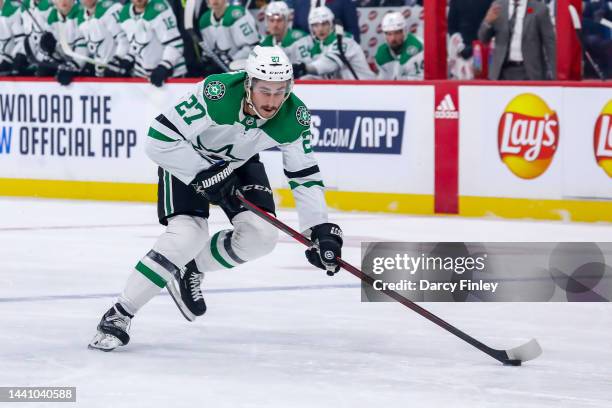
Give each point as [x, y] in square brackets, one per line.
[295, 43]
[153, 38]
[235, 33]
[34, 16]
[326, 60]
[11, 31]
[65, 27]
[405, 63]
[103, 34]
[208, 126]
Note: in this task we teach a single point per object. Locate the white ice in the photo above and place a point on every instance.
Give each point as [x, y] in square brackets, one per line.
[279, 333]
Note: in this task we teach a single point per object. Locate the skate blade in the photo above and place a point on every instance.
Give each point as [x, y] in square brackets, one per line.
[104, 342]
[175, 294]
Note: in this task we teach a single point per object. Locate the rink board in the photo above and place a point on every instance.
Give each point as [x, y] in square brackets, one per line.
[422, 148]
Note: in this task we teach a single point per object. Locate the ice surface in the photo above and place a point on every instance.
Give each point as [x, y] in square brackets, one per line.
[279, 333]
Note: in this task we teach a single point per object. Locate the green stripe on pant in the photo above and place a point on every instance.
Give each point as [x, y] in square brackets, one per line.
[215, 251]
[151, 275]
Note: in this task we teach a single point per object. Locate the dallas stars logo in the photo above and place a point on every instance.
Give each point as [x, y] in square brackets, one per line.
[215, 90]
[215, 155]
[303, 116]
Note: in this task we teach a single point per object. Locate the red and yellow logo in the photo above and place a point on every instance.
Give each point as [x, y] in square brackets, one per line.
[528, 135]
[602, 141]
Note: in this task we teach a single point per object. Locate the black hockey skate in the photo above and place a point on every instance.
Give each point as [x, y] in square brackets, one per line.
[112, 330]
[186, 291]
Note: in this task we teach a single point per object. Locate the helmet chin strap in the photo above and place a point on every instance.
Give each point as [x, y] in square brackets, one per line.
[249, 84]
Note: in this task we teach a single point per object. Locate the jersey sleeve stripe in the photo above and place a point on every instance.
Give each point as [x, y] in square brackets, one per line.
[166, 122]
[155, 134]
[307, 184]
[302, 173]
[172, 40]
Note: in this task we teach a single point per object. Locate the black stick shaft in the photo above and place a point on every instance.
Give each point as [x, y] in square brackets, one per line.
[499, 355]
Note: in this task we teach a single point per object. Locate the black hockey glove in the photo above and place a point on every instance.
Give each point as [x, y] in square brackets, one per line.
[217, 184]
[48, 43]
[67, 72]
[328, 237]
[6, 67]
[124, 64]
[160, 74]
[225, 57]
[299, 70]
[466, 52]
[21, 64]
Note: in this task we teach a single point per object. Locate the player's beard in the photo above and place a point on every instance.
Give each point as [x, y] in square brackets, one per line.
[268, 110]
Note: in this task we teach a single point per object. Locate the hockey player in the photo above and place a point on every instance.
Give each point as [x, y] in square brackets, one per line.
[328, 60]
[62, 26]
[296, 43]
[98, 20]
[12, 52]
[207, 146]
[156, 46]
[401, 56]
[34, 14]
[227, 31]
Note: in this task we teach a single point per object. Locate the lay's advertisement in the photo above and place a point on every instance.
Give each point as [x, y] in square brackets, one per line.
[602, 139]
[547, 143]
[528, 135]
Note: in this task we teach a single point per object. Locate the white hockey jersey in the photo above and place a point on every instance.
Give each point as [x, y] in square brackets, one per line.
[208, 125]
[65, 28]
[407, 64]
[102, 32]
[296, 44]
[326, 60]
[235, 33]
[34, 22]
[12, 35]
[153, 38]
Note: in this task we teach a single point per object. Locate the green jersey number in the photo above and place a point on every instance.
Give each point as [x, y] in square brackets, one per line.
[303, 51]
[190, 110]
[246, 29]
[306, 142]
[170, 22]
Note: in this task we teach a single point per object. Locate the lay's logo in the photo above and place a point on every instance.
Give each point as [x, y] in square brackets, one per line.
[602, 141]
[528, 136]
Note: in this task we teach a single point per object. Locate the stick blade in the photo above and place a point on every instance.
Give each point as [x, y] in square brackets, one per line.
[525, 352]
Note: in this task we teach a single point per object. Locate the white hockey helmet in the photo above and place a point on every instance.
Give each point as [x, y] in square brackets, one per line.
[393, 21]
[279, 8]
[268, 64]
[320, 15]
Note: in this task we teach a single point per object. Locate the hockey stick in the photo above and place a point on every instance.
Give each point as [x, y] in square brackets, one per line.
[63, 41]
[606, 23]
[512, 357]
[339, 35]
[188, 17]
[578, 27]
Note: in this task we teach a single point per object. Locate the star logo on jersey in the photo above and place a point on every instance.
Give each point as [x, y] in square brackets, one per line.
[412, 50]
[215, 90]
[303, 116]
[94, 47]
[237, 13]
[216, 155]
